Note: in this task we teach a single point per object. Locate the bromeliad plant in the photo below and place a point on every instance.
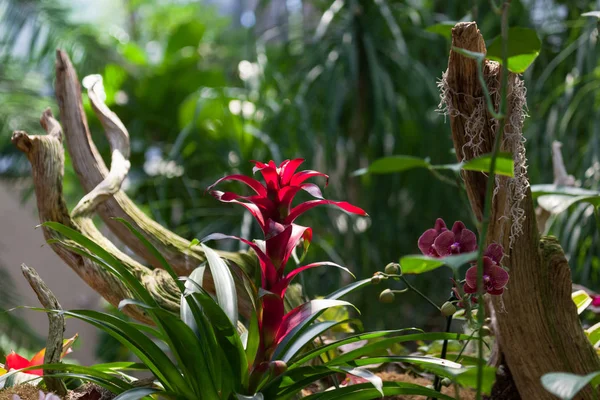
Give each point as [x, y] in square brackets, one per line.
[273, 355]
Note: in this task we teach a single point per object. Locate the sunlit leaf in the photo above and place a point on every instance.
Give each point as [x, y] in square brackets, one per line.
[224, 284]
[393, 164]
[566, 386]
[543, 189]
[418, 264]
[443, 28]
[581, 299]
[593, 334]
[558, 203]
[523, 48]
[504, 164]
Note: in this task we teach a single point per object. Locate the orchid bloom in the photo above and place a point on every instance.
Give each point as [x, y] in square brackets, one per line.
[271, 206]
[495, 277]
[441, 242]
[15, 362]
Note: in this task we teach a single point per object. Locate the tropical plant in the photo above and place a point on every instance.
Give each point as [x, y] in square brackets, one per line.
[275, 356]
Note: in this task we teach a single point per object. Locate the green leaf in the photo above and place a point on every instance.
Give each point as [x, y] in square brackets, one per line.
[443, 28]
[139, 344]
[393, 164]
[184, 35]
[136, 393]
[185, 311]
[365, 391]
[193, 243]
[306, 337]
[468, 376]
[581, 299]
[375, 346]
[566, 386]
[154, 251]
[593, 334]
[224, 284]
[417, 360]
[558, 203]
[111, 382]
[104, 258]
[368, 375]
[523, 48]
[504, 164]
[539, 190]
[227, 337]
[253, 338]
[418, 264]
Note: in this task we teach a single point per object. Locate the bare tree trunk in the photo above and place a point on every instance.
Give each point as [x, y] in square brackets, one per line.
[537, 324]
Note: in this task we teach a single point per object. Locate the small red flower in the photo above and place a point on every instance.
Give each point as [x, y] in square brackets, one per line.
[15, 361]
[441, 242]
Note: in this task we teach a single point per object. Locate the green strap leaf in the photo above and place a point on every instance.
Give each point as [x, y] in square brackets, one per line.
[504, 164]
[224, 284]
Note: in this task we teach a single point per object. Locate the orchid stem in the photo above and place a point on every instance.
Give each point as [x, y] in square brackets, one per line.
[437, 383]
[500, 116]
[414, 289]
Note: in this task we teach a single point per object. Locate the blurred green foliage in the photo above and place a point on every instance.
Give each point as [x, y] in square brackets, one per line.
[340, 83]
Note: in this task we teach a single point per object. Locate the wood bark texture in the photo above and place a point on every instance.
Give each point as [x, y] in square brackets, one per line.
[92, 171]
[538, 326]
[56, 328]
[46, 155]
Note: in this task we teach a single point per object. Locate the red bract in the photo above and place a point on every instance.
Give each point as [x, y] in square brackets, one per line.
[271, 206]
[273, 200]
[15, 361]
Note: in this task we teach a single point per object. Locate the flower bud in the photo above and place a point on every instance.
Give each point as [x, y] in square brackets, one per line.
[387, 296]
[446, 382]
[392, 269]
[448, 309]
[376, 279]
[486, 331]
[430, 387]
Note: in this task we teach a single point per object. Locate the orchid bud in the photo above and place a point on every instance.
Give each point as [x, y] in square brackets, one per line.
[387, 296]
[448, 309]
[393, 269]
[376, 279]
[446, 382]
[486, 331]
[430, 387]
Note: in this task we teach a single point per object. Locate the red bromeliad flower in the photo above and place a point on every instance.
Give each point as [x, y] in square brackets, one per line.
[273, 200]
[271, 206]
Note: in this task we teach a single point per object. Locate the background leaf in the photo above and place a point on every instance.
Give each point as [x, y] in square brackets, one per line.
[523, 48]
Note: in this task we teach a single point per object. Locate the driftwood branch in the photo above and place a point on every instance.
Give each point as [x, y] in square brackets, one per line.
[46, 155]
[118, 138]
[56, 328]
[538, 326]
[91, 170]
